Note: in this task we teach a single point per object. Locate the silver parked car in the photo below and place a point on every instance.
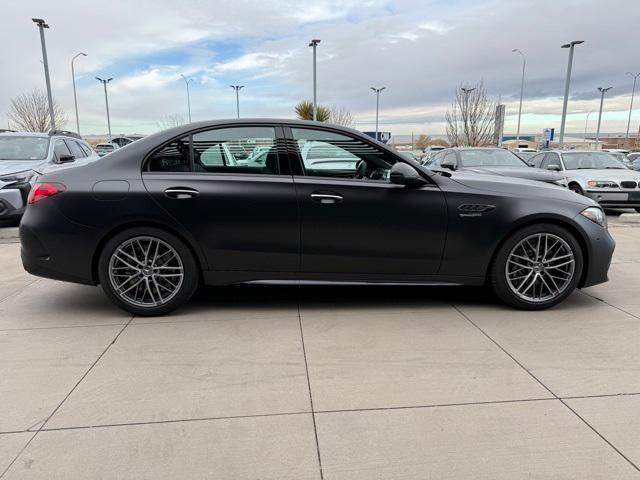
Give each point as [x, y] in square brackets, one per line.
[23, 155]
[492, 161]
[596, 174]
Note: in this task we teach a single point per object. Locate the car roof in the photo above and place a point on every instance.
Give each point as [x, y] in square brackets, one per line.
[25, 134]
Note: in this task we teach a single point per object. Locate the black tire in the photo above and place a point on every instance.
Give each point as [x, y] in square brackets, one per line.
[498, 276]
[190, 279]
[574, 187]
[638, 209]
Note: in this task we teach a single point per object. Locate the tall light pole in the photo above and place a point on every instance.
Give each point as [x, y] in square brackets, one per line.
[602, 92]
[75, 98]
[314, 43]
[586, 123]
[41, 26]
[237, 88]
[377, 90]
[524, 64]
[465, 116]
[187, 81]
[567, 82]
[106, 101]
[635, 77]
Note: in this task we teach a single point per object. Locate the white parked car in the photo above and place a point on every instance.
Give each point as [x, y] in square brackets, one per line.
[23, 155]
[106, 148]
[596, 174]
[430, 151]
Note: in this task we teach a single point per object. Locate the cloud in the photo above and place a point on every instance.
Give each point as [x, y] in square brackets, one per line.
[421, 50]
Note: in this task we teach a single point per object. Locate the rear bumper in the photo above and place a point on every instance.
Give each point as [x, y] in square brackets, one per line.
[52, 246]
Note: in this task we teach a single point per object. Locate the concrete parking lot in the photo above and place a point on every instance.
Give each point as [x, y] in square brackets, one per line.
[254, 382]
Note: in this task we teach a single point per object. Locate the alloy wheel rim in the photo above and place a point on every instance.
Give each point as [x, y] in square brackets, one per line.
[540, 267]
[146, 271]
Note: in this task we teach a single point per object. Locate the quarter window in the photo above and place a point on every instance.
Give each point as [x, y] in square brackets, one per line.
[236, 150]
[328, 154]
[173, 157]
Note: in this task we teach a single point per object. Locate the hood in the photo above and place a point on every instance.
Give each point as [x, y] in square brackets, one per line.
[604, 174]
[14, 166]
[529, 173]
[520, 187]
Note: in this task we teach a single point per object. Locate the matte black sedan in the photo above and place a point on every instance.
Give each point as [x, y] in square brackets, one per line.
[283, 201]
[493, 161]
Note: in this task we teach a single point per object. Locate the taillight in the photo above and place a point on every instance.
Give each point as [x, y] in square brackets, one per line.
[44, 190]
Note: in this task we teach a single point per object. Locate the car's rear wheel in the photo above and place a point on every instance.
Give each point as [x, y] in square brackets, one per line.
[147, 271]
[537, 267]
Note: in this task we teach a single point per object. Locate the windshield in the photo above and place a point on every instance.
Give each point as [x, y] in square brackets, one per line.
[23, 148]
[490, 158]
[591, 160]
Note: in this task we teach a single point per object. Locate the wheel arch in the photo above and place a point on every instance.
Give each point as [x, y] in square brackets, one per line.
[144, 223]
[573, 229]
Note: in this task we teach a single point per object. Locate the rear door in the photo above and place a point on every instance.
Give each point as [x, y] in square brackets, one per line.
[353, 219]
[227, 187]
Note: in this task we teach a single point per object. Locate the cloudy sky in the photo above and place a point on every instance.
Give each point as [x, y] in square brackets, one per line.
[419, 49]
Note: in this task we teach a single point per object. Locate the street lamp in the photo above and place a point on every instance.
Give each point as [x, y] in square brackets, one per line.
[602, 92]
[106, 101]
[75, 98]
[237, 88]
[567, 82]
[186, 81]
[314, 43]
[41, 26]
[524, 63]
[586, 123]
[377, 90]
[635, 77]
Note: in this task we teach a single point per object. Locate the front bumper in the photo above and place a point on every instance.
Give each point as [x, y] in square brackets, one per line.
[616, 198]
[600, 246]
[53, 246]
[12, 203]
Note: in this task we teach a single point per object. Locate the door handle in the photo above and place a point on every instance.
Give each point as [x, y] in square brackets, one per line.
[326, 198]
[181, 192]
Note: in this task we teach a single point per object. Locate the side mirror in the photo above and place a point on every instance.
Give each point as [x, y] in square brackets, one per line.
[451, 165]
[405, 174]
[66, 158]
[554, 167]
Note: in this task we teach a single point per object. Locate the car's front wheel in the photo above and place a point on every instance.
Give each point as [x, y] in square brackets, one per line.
[147, 271]
[537, 267]
[574, 187]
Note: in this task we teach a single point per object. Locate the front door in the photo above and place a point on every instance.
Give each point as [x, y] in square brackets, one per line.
[353, 220]
[225, 186]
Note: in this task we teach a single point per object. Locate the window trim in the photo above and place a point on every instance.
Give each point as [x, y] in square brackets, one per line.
[279, 152]
[297, 165]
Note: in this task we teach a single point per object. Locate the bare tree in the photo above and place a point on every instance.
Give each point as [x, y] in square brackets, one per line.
[29, 112]
[170, 121]
[471, 118]
[340, 116]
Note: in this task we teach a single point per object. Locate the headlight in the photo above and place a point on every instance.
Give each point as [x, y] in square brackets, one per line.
[602, 184]
[18, 177]
[596, 215]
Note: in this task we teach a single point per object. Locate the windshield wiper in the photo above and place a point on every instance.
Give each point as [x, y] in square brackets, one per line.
[614, 168]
